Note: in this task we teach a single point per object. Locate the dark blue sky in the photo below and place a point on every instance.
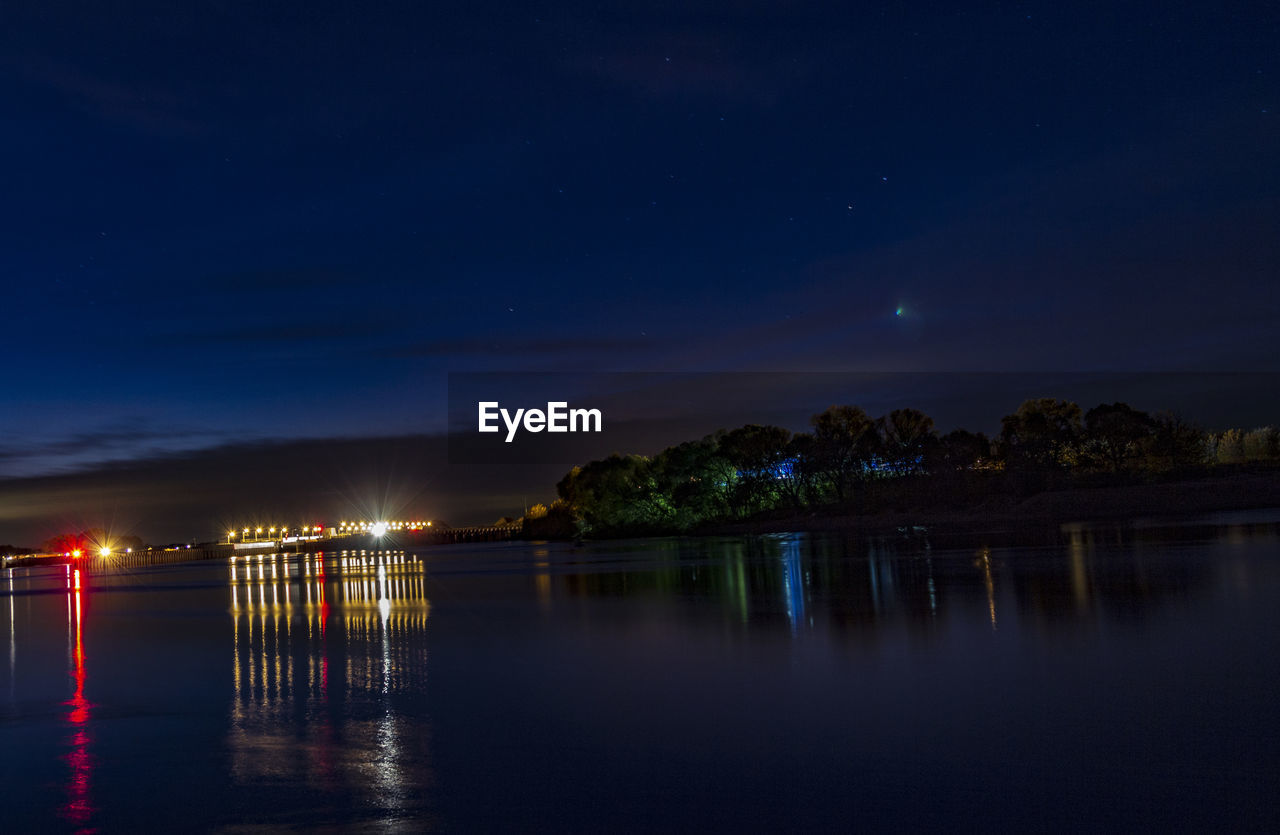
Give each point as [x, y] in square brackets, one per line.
[237, 221]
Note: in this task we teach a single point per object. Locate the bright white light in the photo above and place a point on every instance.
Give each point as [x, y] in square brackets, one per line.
[104, 551]
[379, 528]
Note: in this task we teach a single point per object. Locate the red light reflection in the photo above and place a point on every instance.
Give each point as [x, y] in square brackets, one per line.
[78, 808]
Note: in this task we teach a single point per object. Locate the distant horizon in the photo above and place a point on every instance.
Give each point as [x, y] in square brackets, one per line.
[463, 478]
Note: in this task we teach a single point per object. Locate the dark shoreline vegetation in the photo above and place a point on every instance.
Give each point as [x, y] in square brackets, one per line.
[1052, 462]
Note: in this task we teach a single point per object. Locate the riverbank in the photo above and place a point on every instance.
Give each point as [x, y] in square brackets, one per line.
[1247, 491]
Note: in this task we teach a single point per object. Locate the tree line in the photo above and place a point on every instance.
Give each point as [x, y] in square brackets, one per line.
[89, 542]
[850, 461]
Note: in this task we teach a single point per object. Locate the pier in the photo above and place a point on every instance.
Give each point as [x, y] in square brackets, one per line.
[401, 539]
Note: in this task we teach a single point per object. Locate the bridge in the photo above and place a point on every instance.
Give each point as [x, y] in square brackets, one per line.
[400, 539]
[483, 533]
[435, 535]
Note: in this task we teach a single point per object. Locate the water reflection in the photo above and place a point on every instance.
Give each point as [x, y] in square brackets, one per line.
[78, 808]
[984, 561]
[689, 683]
[13, 644]
[793, 584]
[855, 586]
[329, 662]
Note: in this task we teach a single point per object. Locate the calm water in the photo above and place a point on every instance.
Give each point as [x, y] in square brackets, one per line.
[1109, 676]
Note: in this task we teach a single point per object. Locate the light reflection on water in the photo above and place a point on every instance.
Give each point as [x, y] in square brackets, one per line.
[330, 643]
[78, 809]
[784, 681]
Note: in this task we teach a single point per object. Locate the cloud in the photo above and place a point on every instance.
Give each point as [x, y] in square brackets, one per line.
[200, 492]
[121, 439]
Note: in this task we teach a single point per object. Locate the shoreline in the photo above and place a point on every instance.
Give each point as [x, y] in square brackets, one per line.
[1208, 494]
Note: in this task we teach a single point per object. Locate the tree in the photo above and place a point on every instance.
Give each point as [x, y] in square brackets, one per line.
[615, 493]
[802, 482]
[1175, 444]
[758, 455]
[66, 543]
[695, 479]
[1042, 436]
[558, 522]
[1262, 444]
[1229, 447]
[1115, 436]
[90, 542]
[907, 439]
[961, 449]
[844, 442]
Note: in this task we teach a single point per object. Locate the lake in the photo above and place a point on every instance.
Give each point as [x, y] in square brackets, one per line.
[1083, 677]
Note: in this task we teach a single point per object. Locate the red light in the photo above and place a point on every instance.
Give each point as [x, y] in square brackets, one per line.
[77, 582]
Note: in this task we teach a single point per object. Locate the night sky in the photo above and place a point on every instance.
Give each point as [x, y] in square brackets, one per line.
[236, 229]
